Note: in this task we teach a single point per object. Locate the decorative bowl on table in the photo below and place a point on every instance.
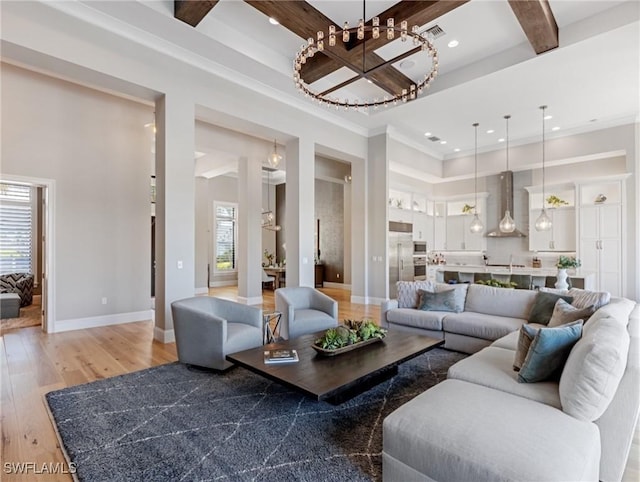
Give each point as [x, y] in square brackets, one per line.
[349, 336]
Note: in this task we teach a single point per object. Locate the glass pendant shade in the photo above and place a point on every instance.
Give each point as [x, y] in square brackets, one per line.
[543, 223]
[476, 225]
[274, 158]
[507, 224]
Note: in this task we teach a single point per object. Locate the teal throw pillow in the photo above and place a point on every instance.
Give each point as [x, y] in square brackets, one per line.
[441, 301]
[543, 306]
[549, 351]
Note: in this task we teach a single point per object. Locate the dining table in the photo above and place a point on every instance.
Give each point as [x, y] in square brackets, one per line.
[279, 273]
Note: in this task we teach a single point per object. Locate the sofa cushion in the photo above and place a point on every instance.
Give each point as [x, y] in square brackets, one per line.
[430, 320]
[509, 342]
[594, 368]
[462, 431]
[408, 292]
[480, 325]
[548, 351]
[442, 301]
[564, 313]
[499, 301]
[492, 368]
[542, 308]
[618, 308]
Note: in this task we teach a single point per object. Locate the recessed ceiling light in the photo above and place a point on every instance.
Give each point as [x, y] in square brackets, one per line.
[427, 133]
[453, 44]
[547, 117]
[490, 131]
[456, 150]
[501, 139]
[273, 21]
[370, 81]
[443, 142]
[556, 128]
[407, 64]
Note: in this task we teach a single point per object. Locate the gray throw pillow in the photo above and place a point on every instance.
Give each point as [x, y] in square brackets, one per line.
[460, 291]
[549, 351]
[442, 301]
[543, 305]
[525, 337]
[564, 313]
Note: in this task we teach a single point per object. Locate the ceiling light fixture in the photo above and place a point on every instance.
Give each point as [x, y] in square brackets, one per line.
[273, 21]
[427, 133]
[490, 131]
[274, 158]
[268, 221]
[476, 226]
[556, 128]
[507, 224]
[453, 44]
[421, 43]
[543, 223]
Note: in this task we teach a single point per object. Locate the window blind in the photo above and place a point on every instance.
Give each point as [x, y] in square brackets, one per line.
[16, 229]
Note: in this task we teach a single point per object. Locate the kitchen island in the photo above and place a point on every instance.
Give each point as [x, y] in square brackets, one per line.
[540, 276]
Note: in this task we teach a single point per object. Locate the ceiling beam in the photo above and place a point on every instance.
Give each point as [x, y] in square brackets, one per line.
[192, 11]
[305, 21]
[538, 23]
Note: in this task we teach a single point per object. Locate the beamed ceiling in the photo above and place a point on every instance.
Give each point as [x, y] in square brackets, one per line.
[300, 17]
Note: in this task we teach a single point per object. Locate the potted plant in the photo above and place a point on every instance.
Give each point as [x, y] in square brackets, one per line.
[554, 201]
[468, 209]
[564, 263]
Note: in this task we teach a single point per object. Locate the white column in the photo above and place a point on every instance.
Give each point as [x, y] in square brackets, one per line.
[249, 231]
[175, 208]
[300, 215]
[359, 223]
[378, 221]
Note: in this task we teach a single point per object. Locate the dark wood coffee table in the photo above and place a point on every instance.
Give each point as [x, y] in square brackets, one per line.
[336, 379]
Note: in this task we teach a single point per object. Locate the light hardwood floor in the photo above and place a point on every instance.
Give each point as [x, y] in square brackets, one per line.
[33, 363]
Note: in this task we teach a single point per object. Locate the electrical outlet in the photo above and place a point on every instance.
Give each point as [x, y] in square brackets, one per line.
[104, 300]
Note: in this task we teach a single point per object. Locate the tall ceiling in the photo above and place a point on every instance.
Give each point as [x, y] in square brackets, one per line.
[590, 81]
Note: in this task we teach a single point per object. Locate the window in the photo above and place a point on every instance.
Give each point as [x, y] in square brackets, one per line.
[16, 228]
[226, 237]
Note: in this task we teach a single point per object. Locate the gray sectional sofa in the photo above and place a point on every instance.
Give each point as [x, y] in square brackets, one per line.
[481, 424]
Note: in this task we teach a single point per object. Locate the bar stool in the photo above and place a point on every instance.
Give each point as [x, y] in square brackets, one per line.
[451, 277]
[522, 281]
[481, 277]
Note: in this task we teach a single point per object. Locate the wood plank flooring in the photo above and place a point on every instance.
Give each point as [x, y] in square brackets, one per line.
[33, 363]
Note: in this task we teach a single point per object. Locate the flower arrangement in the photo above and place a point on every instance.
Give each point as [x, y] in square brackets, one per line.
[555, 201]
[269, 257]
[565, 262]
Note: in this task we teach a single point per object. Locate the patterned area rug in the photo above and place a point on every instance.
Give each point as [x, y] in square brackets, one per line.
[173, 423]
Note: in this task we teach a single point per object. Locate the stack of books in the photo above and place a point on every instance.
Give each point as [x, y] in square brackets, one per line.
[280, 356]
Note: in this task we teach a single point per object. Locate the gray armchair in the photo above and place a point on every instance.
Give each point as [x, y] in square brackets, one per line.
[305, 310]
[207, 329]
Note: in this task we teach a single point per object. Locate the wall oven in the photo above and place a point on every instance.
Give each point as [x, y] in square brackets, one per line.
[419, 267]
[420, 247]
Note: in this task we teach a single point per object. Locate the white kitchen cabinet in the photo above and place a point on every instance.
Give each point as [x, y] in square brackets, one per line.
[601, 245]
[400, 215]
[561, 236]
[420, 228]
[440, 226]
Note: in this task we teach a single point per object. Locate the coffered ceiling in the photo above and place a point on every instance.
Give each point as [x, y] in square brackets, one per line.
[505, 61]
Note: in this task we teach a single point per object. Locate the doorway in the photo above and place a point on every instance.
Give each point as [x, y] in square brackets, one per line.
[29, 201]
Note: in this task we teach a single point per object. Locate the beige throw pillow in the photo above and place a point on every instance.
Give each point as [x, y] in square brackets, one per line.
[564, 313]
[525, 337]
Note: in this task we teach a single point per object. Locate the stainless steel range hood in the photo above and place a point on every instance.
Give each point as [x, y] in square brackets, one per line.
[506, 202]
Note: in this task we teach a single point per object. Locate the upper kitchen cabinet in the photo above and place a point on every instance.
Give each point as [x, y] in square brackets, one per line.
[460, 214]
[400, 207]
[561, 208]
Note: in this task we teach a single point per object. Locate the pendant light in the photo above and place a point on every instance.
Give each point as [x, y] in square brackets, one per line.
[476, 226]
[543, 223]
[507, 224]
[274, 158]
[267, 216]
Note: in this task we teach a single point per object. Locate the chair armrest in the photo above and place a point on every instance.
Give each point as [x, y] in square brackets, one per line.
[247, 314]
[385, 306]
[285, 306]
[325, 303]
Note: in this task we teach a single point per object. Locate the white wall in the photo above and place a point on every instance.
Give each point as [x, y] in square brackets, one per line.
[95, 147]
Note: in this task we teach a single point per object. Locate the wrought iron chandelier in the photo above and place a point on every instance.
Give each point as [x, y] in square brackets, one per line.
[375, 31]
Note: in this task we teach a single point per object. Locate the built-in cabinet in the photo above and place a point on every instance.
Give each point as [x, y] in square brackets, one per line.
[562, 236]
[600, 229]
[442, 224]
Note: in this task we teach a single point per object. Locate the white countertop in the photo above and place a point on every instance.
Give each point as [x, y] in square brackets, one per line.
[470, 268]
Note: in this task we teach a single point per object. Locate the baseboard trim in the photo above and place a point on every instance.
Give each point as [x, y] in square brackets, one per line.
[164, 336]
[255, 300]
[339, 286]
[220, 284]
[202, 291]
[104, 320]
